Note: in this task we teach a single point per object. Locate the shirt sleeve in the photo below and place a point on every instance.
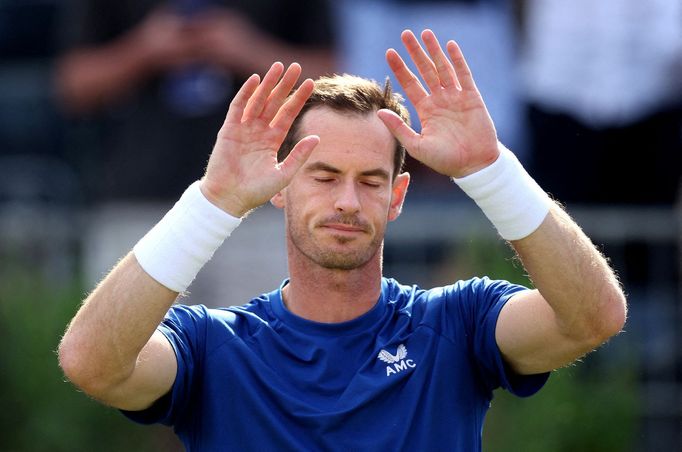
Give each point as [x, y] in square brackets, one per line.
[481, 301]
[185, 329]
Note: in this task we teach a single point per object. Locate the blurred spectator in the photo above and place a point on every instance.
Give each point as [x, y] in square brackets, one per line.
[161, 74]
[604, 87]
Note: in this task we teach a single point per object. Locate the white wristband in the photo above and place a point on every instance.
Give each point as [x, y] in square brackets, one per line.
[174, 250]
[508, 196]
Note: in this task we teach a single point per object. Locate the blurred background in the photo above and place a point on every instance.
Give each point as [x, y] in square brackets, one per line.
[109, 109]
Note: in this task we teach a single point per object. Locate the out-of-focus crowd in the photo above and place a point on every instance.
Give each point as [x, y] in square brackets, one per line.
[128, 95]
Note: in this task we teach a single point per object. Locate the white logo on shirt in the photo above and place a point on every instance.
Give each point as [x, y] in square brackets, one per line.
[396, 363]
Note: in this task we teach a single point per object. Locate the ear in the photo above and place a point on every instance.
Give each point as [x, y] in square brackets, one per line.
[398, 192]
[278, 200]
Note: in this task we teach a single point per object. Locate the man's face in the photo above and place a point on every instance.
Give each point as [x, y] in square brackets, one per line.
[337, 206]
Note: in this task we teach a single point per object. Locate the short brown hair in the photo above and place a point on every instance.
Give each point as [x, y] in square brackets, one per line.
[350, 94]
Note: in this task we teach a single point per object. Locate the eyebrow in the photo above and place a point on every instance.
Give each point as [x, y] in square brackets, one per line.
[321, 166]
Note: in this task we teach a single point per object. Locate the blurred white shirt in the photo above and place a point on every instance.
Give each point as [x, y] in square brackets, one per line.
[608, 62]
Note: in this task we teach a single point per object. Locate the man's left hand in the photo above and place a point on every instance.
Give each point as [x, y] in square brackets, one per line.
[458, 137]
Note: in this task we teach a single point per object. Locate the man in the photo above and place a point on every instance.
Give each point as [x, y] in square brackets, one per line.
[340, 358]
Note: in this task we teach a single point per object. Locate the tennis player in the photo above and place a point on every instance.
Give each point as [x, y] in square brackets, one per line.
[340, 357]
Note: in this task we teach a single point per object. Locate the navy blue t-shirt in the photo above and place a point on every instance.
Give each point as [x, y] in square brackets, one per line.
[416, 372]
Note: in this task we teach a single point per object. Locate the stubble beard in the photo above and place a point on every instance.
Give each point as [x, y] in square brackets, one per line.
[306, 243]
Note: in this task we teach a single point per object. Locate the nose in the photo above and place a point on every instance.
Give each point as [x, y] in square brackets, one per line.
[347, 200]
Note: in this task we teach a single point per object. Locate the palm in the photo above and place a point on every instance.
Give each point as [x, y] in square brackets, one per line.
[249, 149]
[457, 136]
[243, 171]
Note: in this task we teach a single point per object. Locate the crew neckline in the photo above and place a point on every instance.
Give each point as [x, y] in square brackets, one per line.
[356, 325]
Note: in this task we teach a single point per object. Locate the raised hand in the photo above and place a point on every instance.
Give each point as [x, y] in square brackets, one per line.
[243, 172]
[458, 136]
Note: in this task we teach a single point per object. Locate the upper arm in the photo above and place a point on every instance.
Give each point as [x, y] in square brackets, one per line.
[152, 378]
[529, 336]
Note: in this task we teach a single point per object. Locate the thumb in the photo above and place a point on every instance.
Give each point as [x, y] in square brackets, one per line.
[298, 156]
[403, 133]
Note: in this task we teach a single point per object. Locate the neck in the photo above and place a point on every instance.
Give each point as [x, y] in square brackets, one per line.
[332, 296]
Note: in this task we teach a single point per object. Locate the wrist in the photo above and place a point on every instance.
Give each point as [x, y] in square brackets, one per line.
[230, 204]
[179, 245]
[508, 196]
[492, 153]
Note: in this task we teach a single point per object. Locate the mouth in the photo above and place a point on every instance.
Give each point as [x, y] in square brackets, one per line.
[349, 226]
[344, 228]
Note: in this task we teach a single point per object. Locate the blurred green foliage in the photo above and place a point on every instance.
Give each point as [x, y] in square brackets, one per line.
[40, 410]
[575, 411]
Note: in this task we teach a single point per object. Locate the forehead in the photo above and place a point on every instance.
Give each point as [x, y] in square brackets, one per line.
[349, 138]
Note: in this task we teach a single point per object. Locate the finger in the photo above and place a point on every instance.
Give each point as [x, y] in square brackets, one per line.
[446, 73]
[256, 103]
[462, 71]
[298, 156]
[281, 91]
[424, 64]
[236, 110]
[410, 83]
[403, 133]
[292, 107]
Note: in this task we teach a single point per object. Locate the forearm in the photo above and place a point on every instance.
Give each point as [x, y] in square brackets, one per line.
[110, 350]
[573, 277]
[101, 345]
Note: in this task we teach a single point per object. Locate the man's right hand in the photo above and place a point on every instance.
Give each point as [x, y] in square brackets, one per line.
[243, 172]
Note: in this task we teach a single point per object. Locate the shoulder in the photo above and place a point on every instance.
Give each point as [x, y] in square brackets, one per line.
[453, 306]
[218, 323]
[462, 291]
[483, 288]
[476, 298]
[257, 308]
